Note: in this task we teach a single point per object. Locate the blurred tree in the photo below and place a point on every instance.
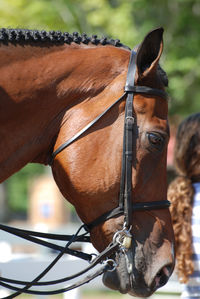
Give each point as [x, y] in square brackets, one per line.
[17, 188]
[128, 20]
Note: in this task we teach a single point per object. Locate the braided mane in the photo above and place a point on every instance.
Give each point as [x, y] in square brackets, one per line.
[26, 36]
[38, 37]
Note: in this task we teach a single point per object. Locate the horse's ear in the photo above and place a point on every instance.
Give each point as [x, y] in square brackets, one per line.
[149, 52]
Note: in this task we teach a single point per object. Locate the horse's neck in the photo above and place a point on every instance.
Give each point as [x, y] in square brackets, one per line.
[31, 100]
[37, 87]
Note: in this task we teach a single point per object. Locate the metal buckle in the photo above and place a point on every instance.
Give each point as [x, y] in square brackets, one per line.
[123, 238]
[130, 117]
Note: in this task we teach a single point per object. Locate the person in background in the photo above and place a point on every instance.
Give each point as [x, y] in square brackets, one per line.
[184, 194]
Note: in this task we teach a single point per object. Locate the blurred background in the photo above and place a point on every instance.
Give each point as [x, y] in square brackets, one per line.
[30, 196]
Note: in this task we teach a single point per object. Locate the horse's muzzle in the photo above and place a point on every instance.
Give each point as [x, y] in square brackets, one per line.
[128, 279]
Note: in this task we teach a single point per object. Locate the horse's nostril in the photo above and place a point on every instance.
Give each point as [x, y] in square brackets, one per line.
[162, 276]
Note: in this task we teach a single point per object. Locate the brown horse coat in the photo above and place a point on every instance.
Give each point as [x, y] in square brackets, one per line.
[48, 92]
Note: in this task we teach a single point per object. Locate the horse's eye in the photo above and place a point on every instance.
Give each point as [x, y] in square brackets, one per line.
[156, 140]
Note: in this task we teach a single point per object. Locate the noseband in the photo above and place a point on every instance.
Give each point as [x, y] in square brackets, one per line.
[125, 206]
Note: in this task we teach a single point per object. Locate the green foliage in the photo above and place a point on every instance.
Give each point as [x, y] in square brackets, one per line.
[17, 186]
[128, 20]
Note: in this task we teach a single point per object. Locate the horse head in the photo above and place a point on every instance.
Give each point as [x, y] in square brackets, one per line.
[88, 171]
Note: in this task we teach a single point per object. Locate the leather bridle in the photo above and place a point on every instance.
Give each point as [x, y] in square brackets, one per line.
[125, 196]
[121, 239]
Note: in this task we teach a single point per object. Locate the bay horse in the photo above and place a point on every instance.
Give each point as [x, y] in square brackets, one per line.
[52, 85]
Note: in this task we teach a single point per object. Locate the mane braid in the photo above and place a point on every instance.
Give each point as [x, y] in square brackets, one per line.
[26, 36]
[37, 37]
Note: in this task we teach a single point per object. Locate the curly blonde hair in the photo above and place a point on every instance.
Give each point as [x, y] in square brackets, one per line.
[181, 192]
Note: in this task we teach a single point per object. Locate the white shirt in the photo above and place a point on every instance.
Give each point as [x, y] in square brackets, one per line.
[191, 290]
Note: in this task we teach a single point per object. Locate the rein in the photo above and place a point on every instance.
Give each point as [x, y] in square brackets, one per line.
[122, 239]
[109, 265]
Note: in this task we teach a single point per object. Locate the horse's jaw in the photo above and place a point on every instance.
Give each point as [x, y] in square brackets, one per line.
[131, 279]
